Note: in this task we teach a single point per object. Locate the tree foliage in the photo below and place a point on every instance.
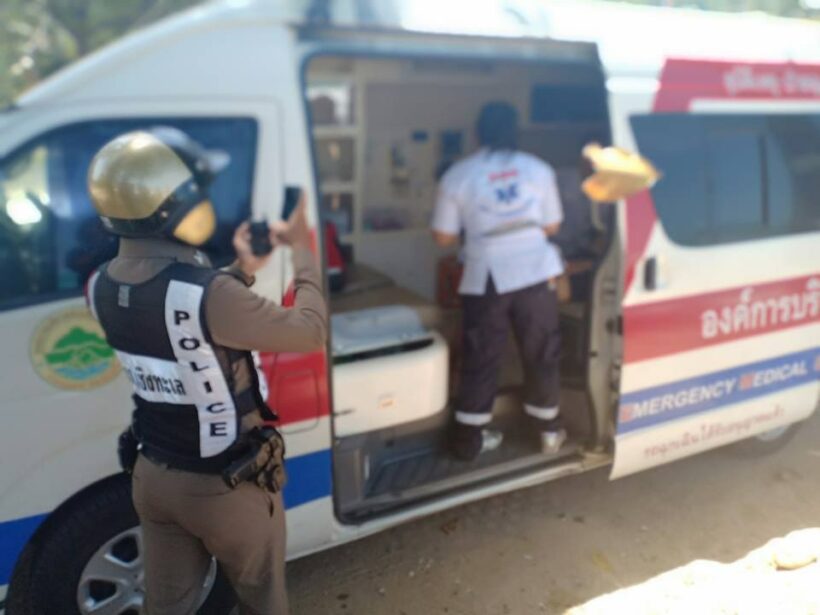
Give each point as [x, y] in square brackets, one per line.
[38, 37]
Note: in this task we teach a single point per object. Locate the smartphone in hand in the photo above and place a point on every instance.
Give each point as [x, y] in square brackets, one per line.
[260, 238]
[260, 231]
[293, 195]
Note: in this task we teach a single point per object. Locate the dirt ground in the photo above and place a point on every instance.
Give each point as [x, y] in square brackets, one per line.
[587, 544]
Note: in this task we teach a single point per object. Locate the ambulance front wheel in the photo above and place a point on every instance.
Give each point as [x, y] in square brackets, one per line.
[87, 558]
[765, 443]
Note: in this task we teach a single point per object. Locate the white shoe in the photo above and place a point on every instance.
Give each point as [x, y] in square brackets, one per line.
[551, 441]
[491, 439]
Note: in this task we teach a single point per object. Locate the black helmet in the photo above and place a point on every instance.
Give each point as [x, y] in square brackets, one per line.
[154, 183]
[497, 126]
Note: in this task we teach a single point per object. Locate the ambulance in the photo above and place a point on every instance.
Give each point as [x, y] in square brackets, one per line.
[690, 315]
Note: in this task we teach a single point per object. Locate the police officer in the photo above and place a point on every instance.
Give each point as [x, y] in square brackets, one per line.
[505, 203]
[183, 332]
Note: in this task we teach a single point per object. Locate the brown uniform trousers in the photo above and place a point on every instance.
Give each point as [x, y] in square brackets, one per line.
[186, 518]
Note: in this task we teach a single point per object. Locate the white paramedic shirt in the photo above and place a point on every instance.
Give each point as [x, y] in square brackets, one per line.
[502, 201]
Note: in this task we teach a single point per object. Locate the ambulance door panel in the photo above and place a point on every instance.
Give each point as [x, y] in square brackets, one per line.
[721, 305]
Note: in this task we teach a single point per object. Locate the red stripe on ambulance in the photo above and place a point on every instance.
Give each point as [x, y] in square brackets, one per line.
[682, 81]
[677, 325]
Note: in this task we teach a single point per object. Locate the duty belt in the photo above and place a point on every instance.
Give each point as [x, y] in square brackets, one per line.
[246, 401]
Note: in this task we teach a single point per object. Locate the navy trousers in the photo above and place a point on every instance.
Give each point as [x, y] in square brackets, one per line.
[533, 314]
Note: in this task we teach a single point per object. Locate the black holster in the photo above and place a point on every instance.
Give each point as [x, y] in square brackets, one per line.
[127, 450]
[262, 463]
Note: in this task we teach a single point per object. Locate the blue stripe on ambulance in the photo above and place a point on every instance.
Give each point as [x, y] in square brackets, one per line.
[13, 537]
[675, 400]
[308, 478]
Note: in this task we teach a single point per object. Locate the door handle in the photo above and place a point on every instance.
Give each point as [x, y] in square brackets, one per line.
[650, 273]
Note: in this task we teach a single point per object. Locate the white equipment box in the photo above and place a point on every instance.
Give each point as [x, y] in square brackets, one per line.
[388, 369]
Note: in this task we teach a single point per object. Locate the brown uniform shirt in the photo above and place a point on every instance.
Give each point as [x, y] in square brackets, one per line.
[236, 316]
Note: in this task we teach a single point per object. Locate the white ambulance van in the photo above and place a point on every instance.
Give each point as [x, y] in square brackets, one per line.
[691, 321]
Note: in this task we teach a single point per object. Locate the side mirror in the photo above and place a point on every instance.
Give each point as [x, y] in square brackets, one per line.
[617, 173]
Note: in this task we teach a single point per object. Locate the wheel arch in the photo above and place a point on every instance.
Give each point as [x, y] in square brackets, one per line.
[21, 571]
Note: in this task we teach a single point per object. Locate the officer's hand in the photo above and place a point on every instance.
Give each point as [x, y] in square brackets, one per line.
[245, 258]
[295, 232]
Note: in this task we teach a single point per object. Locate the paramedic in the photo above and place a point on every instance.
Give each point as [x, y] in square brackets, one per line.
[183, 333]
[505, 202]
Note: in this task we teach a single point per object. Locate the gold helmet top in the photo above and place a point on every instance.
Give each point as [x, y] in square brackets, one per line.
[154, 182]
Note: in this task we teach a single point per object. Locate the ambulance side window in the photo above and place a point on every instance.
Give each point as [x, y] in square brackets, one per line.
[733, 178]
[50, 237]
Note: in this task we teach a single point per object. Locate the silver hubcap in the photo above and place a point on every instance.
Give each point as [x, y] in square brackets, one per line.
[113, 582]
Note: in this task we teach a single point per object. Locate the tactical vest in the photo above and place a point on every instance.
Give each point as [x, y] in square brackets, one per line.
[188, 411]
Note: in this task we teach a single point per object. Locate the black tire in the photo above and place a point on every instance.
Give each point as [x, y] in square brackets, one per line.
[48, 574]
[767, 443]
